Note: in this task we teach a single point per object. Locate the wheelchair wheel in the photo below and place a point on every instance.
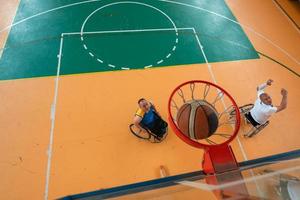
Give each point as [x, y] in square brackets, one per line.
[243, 109]
[139, 133]
[258, 129]
[246, 108]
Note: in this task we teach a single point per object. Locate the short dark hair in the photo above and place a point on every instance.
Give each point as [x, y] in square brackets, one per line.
[141, 99]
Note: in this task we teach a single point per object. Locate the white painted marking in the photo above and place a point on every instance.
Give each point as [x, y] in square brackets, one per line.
[99, 60]
[126, 68]
[148, 66]
[224, 105]
[215, 81]
[127, 31]
[174, 48]
[167, 1]
[160, 61]
[91, 54]
[168, 55]
[1, 52]
[52, 112]
[81, 38]
[110, 65]
[286, 16]
[85, 47]
[233, 21]
[45, 12]
[117, 31]
[52, 118]
[128, 2]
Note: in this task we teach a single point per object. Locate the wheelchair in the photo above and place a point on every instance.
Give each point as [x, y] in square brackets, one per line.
[244, 110]
[154, 136]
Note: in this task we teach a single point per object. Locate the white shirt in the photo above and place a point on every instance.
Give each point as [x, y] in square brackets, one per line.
[261, 112]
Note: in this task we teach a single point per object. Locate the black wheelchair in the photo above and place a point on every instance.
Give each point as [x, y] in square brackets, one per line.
[154, 134]
[244, 110]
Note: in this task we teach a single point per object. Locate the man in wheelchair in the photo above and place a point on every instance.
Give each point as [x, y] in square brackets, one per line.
[148, 119]
[263, 107]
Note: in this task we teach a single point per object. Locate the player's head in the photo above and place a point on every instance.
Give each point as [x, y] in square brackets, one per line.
[265, 98]
[144, 104]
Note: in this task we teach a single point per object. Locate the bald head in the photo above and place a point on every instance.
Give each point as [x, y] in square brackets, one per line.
[265, 98]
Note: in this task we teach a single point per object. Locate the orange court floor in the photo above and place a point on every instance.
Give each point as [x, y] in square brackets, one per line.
[92, 146]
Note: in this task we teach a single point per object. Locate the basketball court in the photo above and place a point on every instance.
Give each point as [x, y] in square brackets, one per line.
[73, 71]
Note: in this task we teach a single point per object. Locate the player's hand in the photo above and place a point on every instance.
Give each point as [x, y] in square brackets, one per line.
[284, 92]
[269, 82]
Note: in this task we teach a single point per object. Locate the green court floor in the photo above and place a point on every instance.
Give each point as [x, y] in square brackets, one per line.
[115, 35]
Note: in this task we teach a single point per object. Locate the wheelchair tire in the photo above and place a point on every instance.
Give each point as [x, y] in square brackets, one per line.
[246, 108]
[243, 109]
[139, 134]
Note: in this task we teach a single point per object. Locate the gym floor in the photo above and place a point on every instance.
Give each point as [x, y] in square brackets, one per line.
[71, 73]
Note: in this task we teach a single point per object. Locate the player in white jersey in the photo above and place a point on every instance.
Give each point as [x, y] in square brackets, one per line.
[263, 107]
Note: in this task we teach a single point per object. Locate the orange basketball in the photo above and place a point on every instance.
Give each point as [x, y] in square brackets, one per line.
[197, 119]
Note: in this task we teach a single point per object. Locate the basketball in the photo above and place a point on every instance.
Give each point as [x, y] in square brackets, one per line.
[197, 119]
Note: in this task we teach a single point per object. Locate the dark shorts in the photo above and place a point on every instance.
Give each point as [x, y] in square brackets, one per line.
[251, 120]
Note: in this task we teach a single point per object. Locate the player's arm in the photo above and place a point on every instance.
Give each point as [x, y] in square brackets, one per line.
[264, 85]
[283, 103]
[137, 120]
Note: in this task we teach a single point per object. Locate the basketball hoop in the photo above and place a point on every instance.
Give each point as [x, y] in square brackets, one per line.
[219, 126]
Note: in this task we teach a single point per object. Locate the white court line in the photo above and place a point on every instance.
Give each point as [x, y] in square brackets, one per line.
[233, 21]
[167, 1]
[148, 66]
[285, 16]
[1, 51]
[224, 105]
[215, 81]
[127, 2]
[47, 11]
[160, 61]
[52, 118]
[8, 32]
[99, 60]
[126, 31]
